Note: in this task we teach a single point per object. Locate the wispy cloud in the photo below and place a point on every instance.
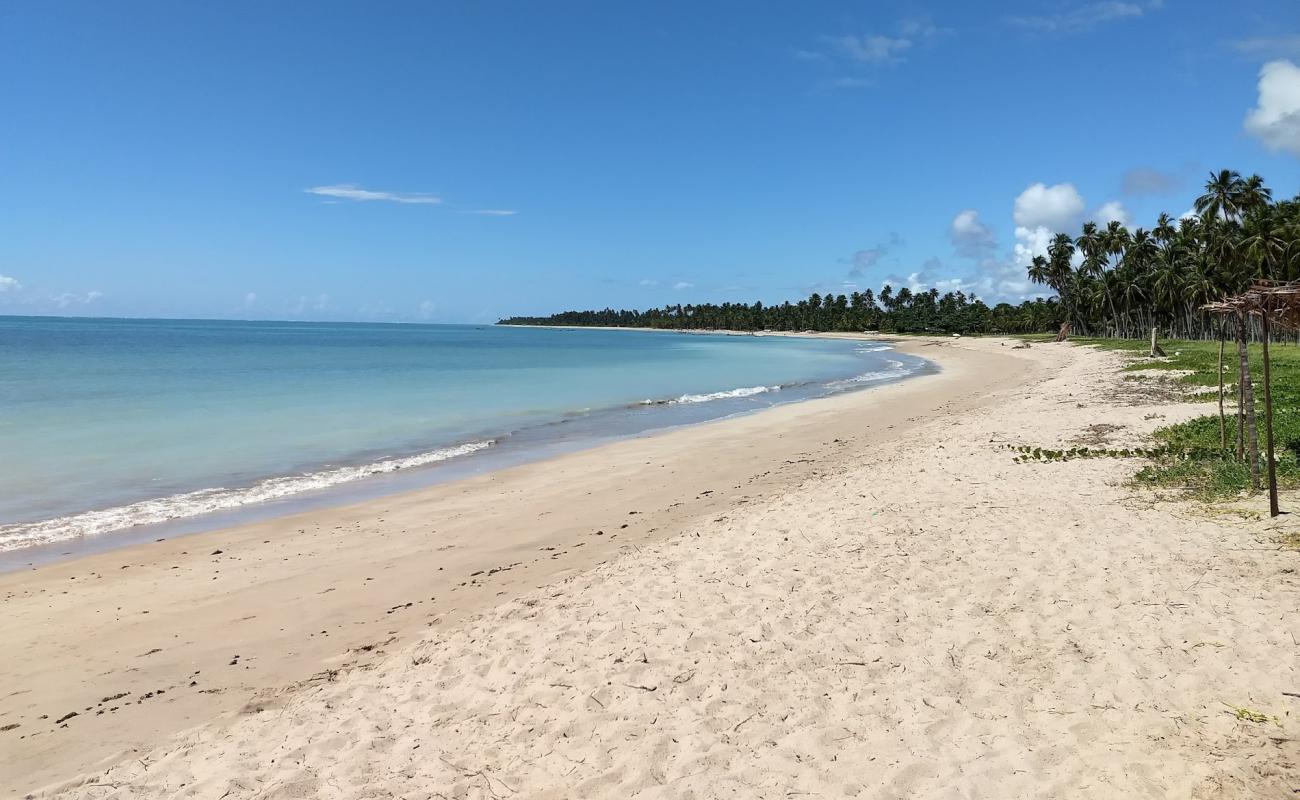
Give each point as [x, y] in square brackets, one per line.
[683, 285]
[491, 212]
[1268, 46]
[1078, 18]
[67, 299]
[868, 257]
[871, 49]
[1146, 180]
[350, 191]
[8, 284]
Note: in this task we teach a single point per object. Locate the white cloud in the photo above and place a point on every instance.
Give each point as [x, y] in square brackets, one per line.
[1083, 17]
[683, 285]
[492, 212]
[8, 284]
[1057, 207]
[970, 237]
[350, 191]
[67, 299]
[250, 300]
[425, 309]
[648, 282]
[1031, 242]
[1275, 119]
[871, 49]
[1111, 212]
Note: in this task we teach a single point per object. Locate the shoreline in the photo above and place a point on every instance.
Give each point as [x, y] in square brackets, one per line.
[862, 595]
[225, 619]
[377, 474]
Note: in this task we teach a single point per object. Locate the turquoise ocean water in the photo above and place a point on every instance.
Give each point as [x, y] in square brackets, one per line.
[107, 425]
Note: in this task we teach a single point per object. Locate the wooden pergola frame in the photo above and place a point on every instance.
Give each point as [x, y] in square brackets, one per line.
[1275, 303]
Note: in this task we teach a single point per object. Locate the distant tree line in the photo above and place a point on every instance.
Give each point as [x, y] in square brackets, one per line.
[1108, 281]
[902, 311]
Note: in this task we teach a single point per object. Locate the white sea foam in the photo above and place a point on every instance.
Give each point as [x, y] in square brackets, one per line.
[748, 391]
[190, 504]
[875, 348]
[895, 370]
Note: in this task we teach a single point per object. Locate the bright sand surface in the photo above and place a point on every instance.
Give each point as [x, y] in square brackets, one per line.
[854, 596]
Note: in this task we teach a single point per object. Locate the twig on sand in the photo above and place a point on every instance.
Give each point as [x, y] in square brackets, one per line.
[736, 729]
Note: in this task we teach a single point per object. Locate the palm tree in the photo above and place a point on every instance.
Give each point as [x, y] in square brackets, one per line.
[1254, 194]
[1224, 194]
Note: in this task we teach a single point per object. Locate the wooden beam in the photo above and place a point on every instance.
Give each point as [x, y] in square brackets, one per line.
[1268, 421]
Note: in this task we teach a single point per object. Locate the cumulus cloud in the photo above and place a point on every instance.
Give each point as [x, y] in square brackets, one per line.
[1145, 180]
[1057, 207]
[1111, 212]
[683, 285]
[970, 237]
[8, 284]
[1031, 242]
[1275, 119]
[350, 191]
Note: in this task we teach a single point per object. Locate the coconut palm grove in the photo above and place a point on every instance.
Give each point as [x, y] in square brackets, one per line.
[1108, 281]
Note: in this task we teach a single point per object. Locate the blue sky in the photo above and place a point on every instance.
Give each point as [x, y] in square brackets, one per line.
[456, 162]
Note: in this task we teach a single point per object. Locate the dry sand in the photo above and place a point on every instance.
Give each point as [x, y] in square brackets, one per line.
[858, 596]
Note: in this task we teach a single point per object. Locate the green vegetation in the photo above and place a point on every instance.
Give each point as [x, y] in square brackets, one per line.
[892, 312]
[1189, 456]
[1116, 283]
[1250, 715]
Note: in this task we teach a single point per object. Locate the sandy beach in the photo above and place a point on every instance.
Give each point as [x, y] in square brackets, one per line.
[856, 596]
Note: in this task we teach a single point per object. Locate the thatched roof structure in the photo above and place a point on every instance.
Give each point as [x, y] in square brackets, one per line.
[1279, 301]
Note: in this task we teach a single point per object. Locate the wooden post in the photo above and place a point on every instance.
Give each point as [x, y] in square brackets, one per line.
[1248, 392]
[1155, 348]
[1268, 420]
[1223, 424]
[1242, 378]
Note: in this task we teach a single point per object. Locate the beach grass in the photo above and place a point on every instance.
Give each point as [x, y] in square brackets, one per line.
[1192, 459]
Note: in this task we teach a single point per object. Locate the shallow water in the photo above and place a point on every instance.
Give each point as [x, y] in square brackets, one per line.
[112, 424]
